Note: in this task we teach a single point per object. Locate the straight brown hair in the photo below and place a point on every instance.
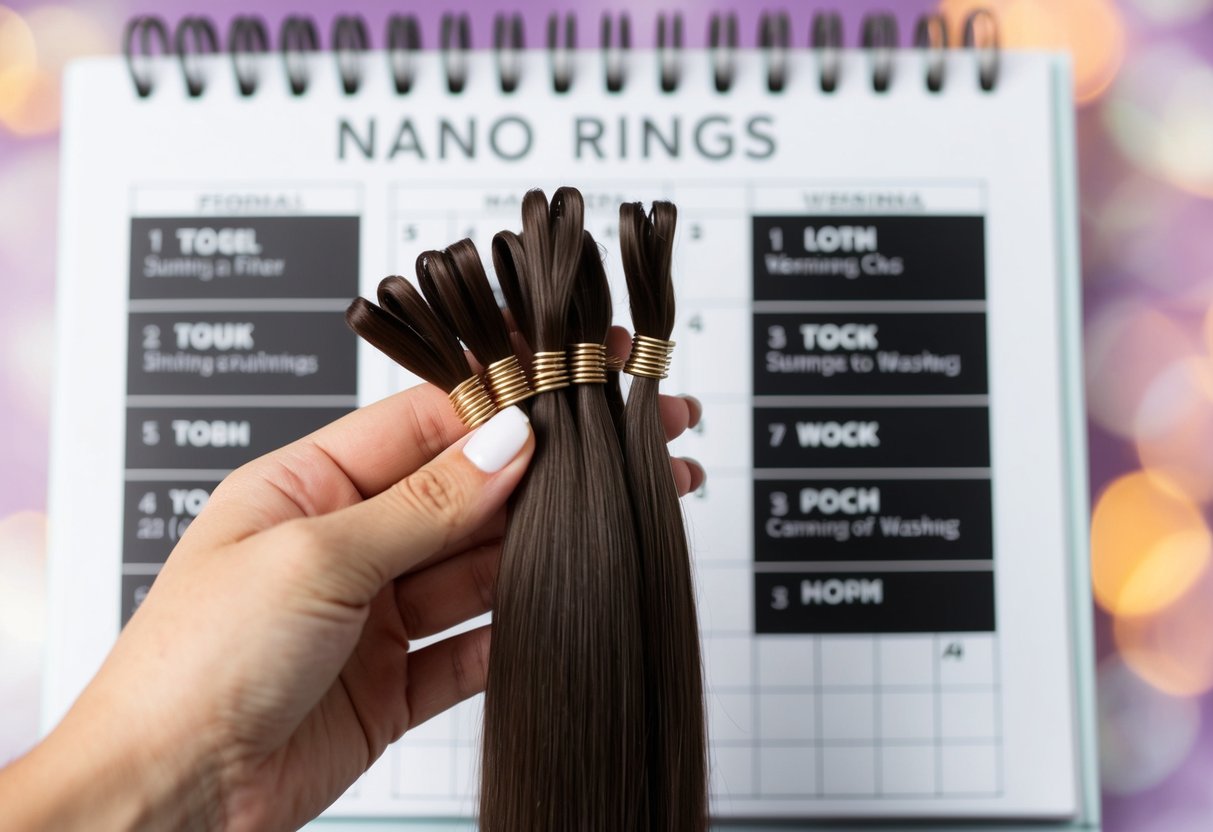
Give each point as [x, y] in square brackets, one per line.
[594, 701]
[455, 284]
[677, 759]
[406, 330]
[564, 713]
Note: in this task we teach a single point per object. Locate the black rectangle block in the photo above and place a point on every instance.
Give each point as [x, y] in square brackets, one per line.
[873, 602]
[871, 437]
[869, 258]
[869, 354]
[867, 520]
[241, 353]
[215, 437]
[244, 257]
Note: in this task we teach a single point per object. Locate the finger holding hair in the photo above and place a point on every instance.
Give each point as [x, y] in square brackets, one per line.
[354, 552]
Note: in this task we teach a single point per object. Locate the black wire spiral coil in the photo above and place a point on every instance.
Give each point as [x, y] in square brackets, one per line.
[350, 41]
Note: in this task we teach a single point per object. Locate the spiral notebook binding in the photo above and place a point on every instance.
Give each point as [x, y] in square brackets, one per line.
[722, 41]
[455, 41]
[147, 36]
[509, 40]
[403, 39]
[825, 38]
[247, 35]
[616, 40]
[880, 39]
[775, 39]
[297, 37]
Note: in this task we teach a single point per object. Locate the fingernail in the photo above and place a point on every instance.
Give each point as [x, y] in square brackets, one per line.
[498, 440]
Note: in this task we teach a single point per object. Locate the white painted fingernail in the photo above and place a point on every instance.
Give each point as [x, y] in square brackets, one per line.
[498, 440]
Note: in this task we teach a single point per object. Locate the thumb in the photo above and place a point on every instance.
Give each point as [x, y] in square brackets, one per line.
[361, 548]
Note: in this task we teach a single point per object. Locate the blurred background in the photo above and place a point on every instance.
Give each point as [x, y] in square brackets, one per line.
[1144, 92]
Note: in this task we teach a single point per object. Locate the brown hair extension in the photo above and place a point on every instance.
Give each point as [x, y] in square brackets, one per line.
[677, 761]
[407, 331]
[508, 262]
[457, 288]
[563, 716]
[594, 711]
[610, 526]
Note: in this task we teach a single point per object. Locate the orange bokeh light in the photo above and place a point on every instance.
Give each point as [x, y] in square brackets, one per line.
[1149, 543]
[33, 101]
[1092, 31]
[1171, 648]
[34, 48]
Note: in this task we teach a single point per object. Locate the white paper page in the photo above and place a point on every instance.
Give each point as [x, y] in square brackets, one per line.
[868, 308]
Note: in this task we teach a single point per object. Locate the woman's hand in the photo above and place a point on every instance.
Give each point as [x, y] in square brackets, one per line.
[269, 666]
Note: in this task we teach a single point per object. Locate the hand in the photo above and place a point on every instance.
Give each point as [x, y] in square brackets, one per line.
[269, 666]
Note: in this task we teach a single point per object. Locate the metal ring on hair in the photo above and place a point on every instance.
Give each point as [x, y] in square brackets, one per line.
[669, 50]
[145, 26]
[826, 39]
[560, 50]
[614, 48]
[508, 44]
[247, 36]
[507, 382]
[350, 41]
[722, 44]
[614, 364]
[775, 38]
[403, 40]
[296, 38]
[549, 371]
[205, 41]
[931, 36]
[981, 33]
[472, 402]
[587, 363]
[455, 44]
[650, 357]
[880, 39]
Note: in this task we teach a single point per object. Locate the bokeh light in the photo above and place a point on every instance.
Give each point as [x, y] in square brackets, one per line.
[63, 33]
[1170, 648]
[1092, 31]
[1149, 544]
[33, 52]
[1127, 345]
[1171, 12]
[32, 172]
[1174, 426]
[1144, 734]
[1160, 114]
[18, 64]
[27, 358]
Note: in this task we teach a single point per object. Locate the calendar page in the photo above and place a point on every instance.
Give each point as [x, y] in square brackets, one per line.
[876, 306]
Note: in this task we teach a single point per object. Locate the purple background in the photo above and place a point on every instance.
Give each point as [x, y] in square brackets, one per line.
[1144, 88]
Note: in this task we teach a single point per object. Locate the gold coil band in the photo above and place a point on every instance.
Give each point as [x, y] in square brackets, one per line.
[471, 402]
[587, 363]
[508, 382]
[614, 364]
[650, 357]
[549, 371]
